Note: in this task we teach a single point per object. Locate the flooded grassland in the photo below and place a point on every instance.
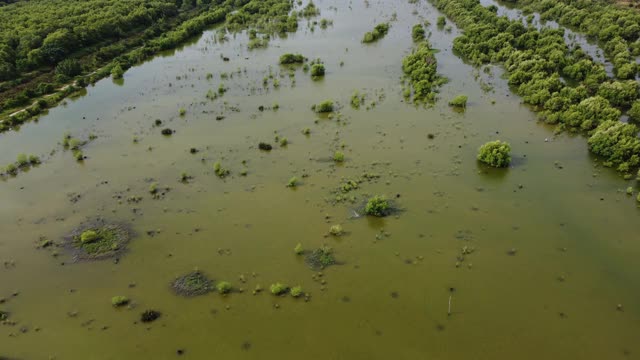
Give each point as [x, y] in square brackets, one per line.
[528, 262]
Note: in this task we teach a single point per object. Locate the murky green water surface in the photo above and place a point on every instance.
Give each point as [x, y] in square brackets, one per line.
[575, 235]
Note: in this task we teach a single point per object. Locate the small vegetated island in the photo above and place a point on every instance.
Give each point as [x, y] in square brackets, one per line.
[52, 48]
[564, 85]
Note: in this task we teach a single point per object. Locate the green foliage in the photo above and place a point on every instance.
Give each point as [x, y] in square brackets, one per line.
[377, 206]
[118, 301]
[291, 59]
[299, 250]
[320, 258]
[357, 99]
[191, 284]
[22, 160]
[619, 93]
[296, 291]
[324, 107]
[317, 70]
[338, 156]
[116, 71]
[182, 111]
[618, 143]
[379, 31]
[278, 289]
[88, 236]
[420, 69]
[153, 188]
[459, 101]
[495, 153]
[336, 230]
[417, 33]
[442, 21]
[293, 182]
[11, 169]
[34, 160]
[69, 67]
[634, 112]
[219, 170]
[224, 287]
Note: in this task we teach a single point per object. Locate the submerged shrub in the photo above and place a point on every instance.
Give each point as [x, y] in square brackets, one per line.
[118, 301]
[296, 291]
[495, 153]
[278, 289]
[336, 230]
[377, 206]
[320, 258]
[11, 169]
[22, 160]
[317, 70]
[224, 287]
[417, 33]
[298, 249]
[379, 31]
[293, 182]
[219, 170]
[459, 101]
[291, 59]
[420, 69]
[338, 156]
[324, 107]
[88, 236]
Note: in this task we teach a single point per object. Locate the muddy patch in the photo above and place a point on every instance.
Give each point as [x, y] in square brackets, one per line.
[192, 284]
[98, 239]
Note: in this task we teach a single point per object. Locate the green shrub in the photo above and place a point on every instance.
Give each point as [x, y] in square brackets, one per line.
[298, 249]
[338, 156]
[495, 153]
[420, 68]
[296, 291]
[336, 230]
[224, 287]
[118, 301]
[417, 33]
[22, 160]
[117, 72]
[442, 21]
[89, 236]
[182, 111]
[320, 258]
[34, 160]
[377, 206]
[324, 107]
[459, 101]
[278, 289]
[618, 143]
[219, 170]
[317, 70]
[11, 169]
[634, 112]
[69, 67]
[291, 59]
[293, 182]
[379, 31]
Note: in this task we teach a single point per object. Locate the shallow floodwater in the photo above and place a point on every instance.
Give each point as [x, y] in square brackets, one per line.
[555, 239]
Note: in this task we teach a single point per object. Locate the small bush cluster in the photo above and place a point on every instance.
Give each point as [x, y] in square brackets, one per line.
[379, 31]
[495, 153]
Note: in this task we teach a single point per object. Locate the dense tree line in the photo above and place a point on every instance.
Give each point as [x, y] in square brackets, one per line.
[79, 36]
[564, 85]
[617, 28]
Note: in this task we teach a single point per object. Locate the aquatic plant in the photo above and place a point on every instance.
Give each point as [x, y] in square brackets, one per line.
[182, 111]
[118, 301]
[320, 258]
[219, 170]
[495, 153]
[442, 21]
[420, 69]
[459, 101]
[291, 59]
[284, 141]
[379, 31]
[357, 99]
[88, 236]
[377, 206]
[193, 283]
[296, 291]
[299, 250]
[150, 315]
[3, 315]
[22, 160]
[34, 160]
[306, 131]
[317, 70]
[336, 230]
[338, 156]
[417, 33]
[293, 182]
[324, 107]
[278, 289]
[11, 169]
[224, 287]
[153, 188]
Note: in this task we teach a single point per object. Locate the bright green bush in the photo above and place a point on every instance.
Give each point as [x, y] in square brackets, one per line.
[379, 31]
[317, 70]
[291, 59]
[459, 101]
[338, 156]
[417, 33]
[88, 236]
[495, 153]
[118, 301]
[278, 289]
[324, 107]
[377, 206]
[224, 287]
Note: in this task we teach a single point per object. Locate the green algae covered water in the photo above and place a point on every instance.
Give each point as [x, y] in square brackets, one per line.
[535, 261]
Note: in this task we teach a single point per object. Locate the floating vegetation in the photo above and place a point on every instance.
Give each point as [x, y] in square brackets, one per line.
[119, 301]
[420, 69]
[98, 239]
[495, 153]
[320, 258]
[379, 31]
[192, 284]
